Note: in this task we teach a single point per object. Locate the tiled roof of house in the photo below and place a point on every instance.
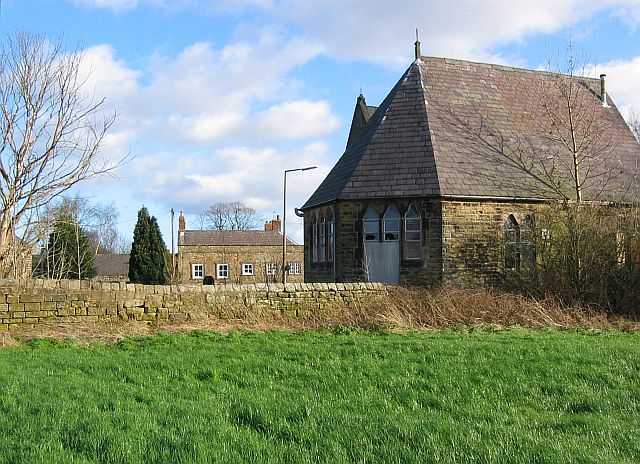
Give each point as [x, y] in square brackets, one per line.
[449, 128]
[112, 264]
[232, 238]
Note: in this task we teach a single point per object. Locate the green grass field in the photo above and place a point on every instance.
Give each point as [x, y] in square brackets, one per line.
[343, 396]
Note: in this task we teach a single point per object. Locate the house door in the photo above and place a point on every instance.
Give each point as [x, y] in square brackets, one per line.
[382, 261]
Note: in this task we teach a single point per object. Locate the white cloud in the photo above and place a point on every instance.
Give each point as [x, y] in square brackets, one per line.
[253, 176]
[383, 32]
[114, 5]
[296, 119]
[204, 94]
[622, 82]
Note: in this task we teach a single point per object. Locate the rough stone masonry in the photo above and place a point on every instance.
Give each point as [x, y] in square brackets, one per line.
[25, 303]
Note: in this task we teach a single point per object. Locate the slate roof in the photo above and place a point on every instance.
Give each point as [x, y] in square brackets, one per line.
[112, 264]
[444, 128]
[232, 238]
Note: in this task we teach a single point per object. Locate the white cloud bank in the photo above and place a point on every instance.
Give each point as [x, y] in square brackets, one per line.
[381, 31]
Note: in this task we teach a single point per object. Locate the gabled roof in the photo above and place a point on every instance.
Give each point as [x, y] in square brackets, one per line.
[232, 238]
[361, 115]
[445, 127]
[112, 264]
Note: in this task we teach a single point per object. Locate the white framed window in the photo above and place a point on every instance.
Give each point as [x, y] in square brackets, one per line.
[331, 235]
[527, 243]
[391, 223]
[247, 269]
[222, 271]
[371, 225]
[412, 234]
[322, 245]
[294, 268]
[545, 234]
[272, 268]
[314, 242]
[197, 271]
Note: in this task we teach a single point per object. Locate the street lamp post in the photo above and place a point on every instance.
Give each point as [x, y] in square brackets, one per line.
[284, 222]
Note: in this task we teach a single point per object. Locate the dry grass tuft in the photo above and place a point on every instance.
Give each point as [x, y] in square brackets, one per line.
[401, 309]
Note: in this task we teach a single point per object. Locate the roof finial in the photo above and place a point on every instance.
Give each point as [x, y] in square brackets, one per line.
[417, 45]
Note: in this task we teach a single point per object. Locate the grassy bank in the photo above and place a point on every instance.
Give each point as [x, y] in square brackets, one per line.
[325, 396]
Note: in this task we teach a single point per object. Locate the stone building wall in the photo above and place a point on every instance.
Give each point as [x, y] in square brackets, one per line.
[473, 238]
[349, 248]
[235, 256]
[29, 302]
[462, 241]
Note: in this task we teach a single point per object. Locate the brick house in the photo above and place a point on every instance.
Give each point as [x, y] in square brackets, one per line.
[236, 256]
[425, 193]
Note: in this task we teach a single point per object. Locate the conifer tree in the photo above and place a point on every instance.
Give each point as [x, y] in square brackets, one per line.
[147, 259]
[69, 254]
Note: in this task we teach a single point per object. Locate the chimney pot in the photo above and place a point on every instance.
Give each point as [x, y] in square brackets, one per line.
[273, 224]
[181, 222]
[603, 89]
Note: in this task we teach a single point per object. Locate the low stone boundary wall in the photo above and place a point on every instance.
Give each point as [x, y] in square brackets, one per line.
[24, 303]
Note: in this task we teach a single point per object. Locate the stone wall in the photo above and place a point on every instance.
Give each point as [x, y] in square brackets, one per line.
[25, 303]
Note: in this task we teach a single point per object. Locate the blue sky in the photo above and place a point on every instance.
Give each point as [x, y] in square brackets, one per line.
[216, 98]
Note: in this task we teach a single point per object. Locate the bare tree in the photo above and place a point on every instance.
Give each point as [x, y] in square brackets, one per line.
[566, 151]
[51, 132]
[231, 216]
[100, 222]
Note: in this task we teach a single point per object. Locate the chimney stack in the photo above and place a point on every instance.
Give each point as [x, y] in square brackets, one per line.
[603, 89]
[417, 46]
[182, 225]
[273, 224]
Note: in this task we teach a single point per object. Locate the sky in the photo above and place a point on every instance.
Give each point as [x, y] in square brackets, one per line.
[215, 99]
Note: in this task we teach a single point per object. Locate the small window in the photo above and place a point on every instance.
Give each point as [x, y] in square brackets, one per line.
[331, 234]
[527, 243]
[511, 232]
[391, 222]
[294, 268]
[322, 245]
[545, 234]
[371, 224]
[412, 234]
[247, 269]
[222, 271]
[314, 242]
[197, 271]
[272, 268]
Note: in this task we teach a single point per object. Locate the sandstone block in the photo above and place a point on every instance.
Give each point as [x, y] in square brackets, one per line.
[96, 311]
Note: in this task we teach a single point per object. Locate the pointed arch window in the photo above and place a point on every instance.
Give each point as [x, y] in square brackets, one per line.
[391, 224]
[527, 243]
[322, 239]
[412, 233]
[371, 225]
[314, 241]
[511, 236]
[331, 237]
